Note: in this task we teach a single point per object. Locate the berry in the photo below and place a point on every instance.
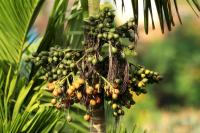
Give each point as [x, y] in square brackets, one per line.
[87, 117]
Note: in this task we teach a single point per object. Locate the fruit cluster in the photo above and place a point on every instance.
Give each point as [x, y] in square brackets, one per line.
[99, 71]
[56, 63]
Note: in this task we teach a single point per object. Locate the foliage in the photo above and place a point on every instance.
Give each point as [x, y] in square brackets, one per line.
[164, 10]
[20, 109]
[178, 59]
[16, 18]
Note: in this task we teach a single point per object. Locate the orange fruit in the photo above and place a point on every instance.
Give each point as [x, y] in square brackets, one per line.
[87, 117]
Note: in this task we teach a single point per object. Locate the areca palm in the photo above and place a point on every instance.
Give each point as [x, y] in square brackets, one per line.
[17, 17]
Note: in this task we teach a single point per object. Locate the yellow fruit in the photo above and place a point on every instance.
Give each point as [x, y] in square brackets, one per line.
[87, 117]
[72, 87]
[79, 95]
[53, 101]
[97, 86]
[58, 106]
[141, 84]
[59, 90]
[142, 75]
[147, 71]
[76, 85]
[114, 106]
[116, 91]
[114, 96]
[92, 102]
[69, 91]
[89, 90]
[81, 81]
[55, 93]
[50, 86]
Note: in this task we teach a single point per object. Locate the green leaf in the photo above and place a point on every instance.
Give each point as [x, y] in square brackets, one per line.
[16, 18]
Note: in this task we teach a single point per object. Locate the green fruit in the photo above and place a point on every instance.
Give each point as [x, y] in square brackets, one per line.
[115, 114]
[100, 58]
[55, 59]
[105, 35]
[116, 36]
[55, 53]
[69, 62]
[123, 55]
[64, 72]
[114, 50]
[110, 36]
[50, 60]
[89, 59]
[99, 36]
[100, 26]
[59, 71]
[54, 70]
[131, 47]
[61, 54]
[72, 65]
[69, 118]
[67, 55]
[112, 30]
[61, 66]
[94, 61]
[37, 58]
[55, 76]
[35, 54]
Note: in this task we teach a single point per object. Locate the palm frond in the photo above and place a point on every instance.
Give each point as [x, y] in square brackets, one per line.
[20, 109]
[16, 18]
[164, 11]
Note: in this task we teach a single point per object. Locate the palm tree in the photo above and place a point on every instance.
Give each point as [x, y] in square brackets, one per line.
[17, 17]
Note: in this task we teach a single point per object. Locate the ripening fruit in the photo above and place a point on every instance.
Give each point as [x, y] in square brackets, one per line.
[97, 86]
[116, 91]
[81, 81]
[69, 91]
[114, 106]
[69, 118]
[89, 59]
[50, 86]
[98, 100]
[72, 87]
[87, 117]
[76, 85]
[89, 90]
[55, 93]
[114, 96]
[147, 71]
[58, 106]
[94, 61]
[92, 102]
[59, 90]
[142, 75]
[79, 95]
[141, 84]
[53, 101]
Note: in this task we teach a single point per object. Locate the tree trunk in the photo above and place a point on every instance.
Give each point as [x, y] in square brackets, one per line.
[93, 6]
[97, 122]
